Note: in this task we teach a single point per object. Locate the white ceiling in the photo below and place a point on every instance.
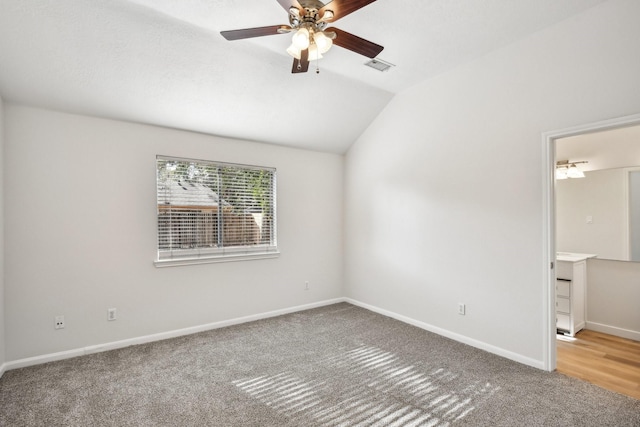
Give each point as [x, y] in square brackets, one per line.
[164, 62]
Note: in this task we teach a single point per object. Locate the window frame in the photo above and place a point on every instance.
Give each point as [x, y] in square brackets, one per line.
[201, 255]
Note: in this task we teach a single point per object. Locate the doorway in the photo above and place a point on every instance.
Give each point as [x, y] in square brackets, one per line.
[550, 141]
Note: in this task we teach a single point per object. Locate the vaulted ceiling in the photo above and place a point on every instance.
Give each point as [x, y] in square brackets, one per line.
[164, 62]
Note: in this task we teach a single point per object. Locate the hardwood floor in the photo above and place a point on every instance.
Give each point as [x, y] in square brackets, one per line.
[605, 360]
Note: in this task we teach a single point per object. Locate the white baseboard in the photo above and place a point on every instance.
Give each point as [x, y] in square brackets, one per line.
[613, 330]
[52, 357]
[45, 358]
[452, 335]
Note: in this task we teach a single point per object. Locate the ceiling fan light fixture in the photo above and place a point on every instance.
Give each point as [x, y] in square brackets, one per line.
[308, 20]
[294, 51]
[323, 42]
[314, 52]
[301, 39]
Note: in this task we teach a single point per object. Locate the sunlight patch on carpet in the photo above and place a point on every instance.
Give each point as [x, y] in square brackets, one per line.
[394, 393]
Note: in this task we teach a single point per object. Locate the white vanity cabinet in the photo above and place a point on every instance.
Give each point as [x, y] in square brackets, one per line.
[571, 286]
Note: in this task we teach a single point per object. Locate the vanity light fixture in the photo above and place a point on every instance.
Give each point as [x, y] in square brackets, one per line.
[566, 169]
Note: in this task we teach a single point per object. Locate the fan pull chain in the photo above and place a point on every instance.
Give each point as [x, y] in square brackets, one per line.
[317, 62]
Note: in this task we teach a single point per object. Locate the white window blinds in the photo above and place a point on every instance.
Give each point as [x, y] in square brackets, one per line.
[212, 210]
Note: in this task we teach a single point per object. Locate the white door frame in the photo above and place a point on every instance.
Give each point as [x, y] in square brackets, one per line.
[549, 224]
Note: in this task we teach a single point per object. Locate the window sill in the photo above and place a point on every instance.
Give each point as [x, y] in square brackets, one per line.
[177, 262]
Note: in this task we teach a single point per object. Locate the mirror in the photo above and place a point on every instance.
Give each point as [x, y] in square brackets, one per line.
[600, 213]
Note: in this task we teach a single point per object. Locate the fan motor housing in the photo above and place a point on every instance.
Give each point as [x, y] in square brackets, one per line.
[311, 4]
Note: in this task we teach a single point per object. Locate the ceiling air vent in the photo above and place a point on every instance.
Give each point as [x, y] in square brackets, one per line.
[379, 64]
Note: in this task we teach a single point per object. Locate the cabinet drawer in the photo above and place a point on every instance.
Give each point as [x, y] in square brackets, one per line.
[563, 305]
[563, 288]
[563, 322]
[564, 270]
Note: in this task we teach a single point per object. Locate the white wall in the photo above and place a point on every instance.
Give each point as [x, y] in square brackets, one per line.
[444, 191]
[81, 233]
[2, 308]
[613, 297]
[602, 196]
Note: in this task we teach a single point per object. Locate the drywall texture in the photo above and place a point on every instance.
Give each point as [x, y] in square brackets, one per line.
[81, 232]
[2, 309]
[613, 293]
[444, 191]
[602, 197]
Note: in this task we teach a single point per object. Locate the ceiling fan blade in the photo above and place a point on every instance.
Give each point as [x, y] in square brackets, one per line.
[342, 8]
[355, 43]
[301, 65]
[287, 4]
[255, 32]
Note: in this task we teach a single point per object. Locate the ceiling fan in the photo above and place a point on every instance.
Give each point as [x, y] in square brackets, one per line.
[308, 21]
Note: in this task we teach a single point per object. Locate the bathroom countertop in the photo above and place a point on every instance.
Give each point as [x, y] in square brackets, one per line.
[573, 257]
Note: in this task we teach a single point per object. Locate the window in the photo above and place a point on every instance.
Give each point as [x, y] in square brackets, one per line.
[211, 211]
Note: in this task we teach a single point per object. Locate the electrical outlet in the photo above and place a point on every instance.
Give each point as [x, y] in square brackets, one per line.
[111, 314]
[461, 308]
[58, 322]
[306, 285]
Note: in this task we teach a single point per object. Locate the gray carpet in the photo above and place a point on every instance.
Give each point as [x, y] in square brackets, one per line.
[338, 365]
